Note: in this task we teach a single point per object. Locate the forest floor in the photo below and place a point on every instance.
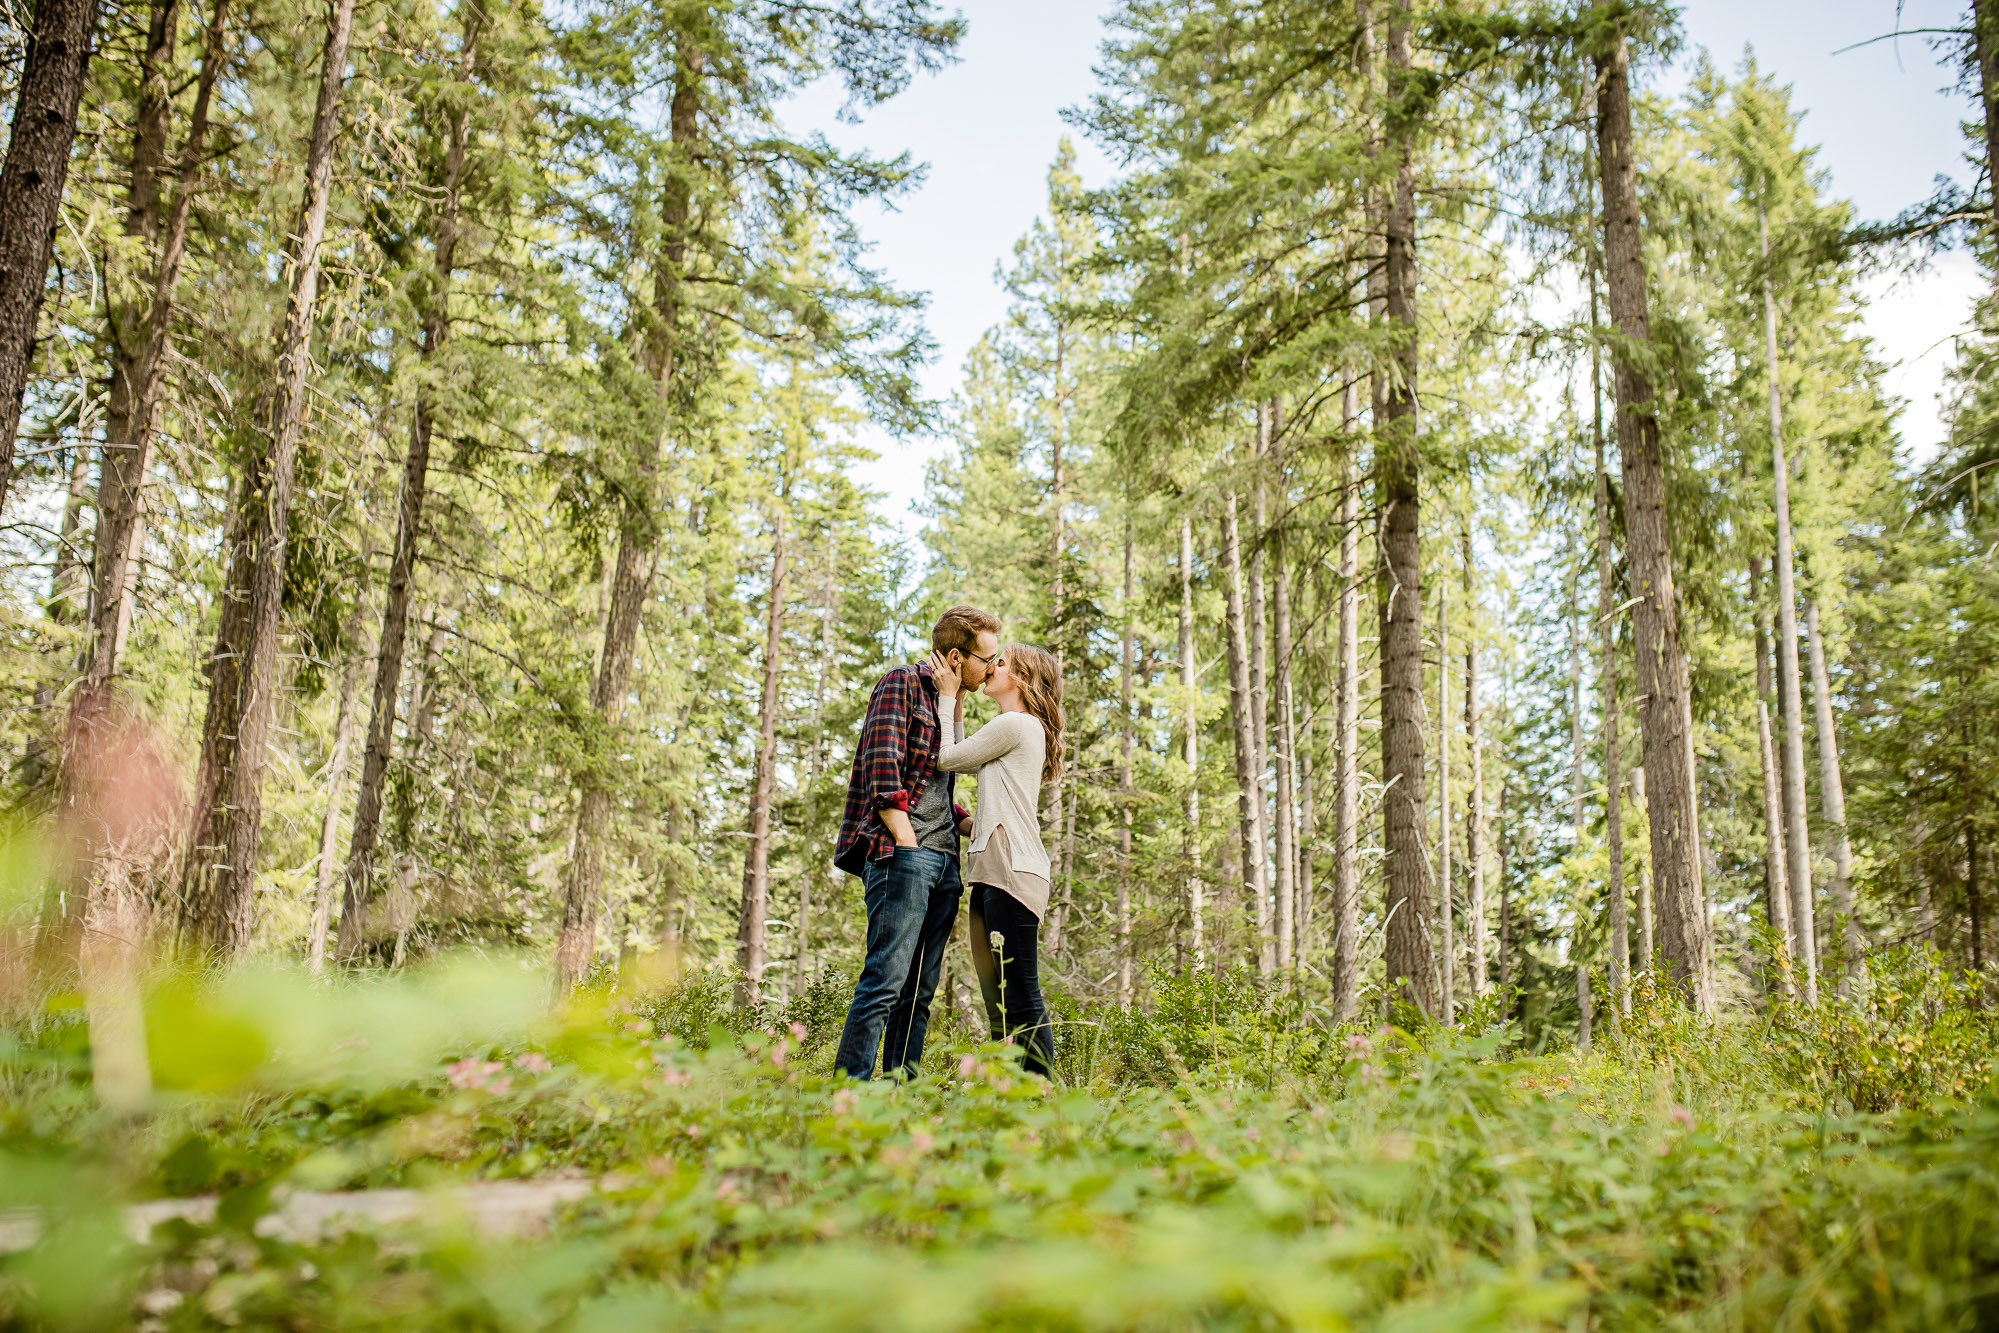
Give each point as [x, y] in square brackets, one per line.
[1209, 1163]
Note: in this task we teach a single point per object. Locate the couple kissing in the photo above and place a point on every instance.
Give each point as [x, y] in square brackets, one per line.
[900, 834]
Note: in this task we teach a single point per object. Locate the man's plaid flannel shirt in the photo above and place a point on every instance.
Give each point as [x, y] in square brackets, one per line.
[895, 761]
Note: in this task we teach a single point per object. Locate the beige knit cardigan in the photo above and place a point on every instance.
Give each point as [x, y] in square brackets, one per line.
[1007, 753]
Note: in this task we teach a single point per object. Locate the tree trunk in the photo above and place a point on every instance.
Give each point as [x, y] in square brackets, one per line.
[1972, 900]
[1505, 903]
[336, 778]
[1613, 768]
[134, 398]
[1308, 836]
[359, 876]
[69, 581]
[1585, 1007]
[801, 968]
[1776, 870]
[1576, 788]
[1271, 924]
[1648, 940]
[1128, 741]
[750, 944]
[1475, 802]
[1985, 38]
[1346, 741]
[1409, 953]
[53, 71]
[1797, 839]
[1249, 790]
[1578, 946]
[638, 539]
[1190, 801]
[1832, 797]
[1447, 956]
[1055, 825]
[1285, 755]
[109, 956]
[218, 906]
[1662, 668]
[126, 320]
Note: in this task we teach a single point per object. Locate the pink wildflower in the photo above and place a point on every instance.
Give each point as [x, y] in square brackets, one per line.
[471, 1072]
[1683, 1116]
[534, 1062]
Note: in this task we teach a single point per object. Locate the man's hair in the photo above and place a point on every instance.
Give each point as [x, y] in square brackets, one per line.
[960, 628]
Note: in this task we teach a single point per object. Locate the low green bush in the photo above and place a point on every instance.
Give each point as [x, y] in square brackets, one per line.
[1220, 1162]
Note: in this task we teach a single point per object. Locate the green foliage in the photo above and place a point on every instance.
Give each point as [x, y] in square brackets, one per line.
[1375, 1180]
[1915, 1029]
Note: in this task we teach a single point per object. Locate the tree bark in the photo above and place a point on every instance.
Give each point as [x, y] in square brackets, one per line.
[132, 405]
[1585, 1007]
[127, 320]
[1576, 787]
[69, 581]
[638, 538]
[1475, 800]
[358, 880]
[1578, 948]
[750, 943]
[1832, 798]
[1985, 38]
[1648, 939]
[1447, 955]
[1346, 726]
[336, 778]
[1973, 902]
[1249, 790]
[1055, 825]
[801, 969]
[1613, 769]
[53, 71]
[218, 906]
[1776, 869]
[1662, 668]
[1128, 742]
[1409, 952]
[1797, 839]
[1271, 924]
[1285, 755]
[1308, 835]
[1190, 801]
[1505, 904]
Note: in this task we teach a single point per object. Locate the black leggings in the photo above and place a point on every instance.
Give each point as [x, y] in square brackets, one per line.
[1004, 938]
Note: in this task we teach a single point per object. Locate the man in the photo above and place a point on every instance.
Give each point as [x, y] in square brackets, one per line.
[900, 835]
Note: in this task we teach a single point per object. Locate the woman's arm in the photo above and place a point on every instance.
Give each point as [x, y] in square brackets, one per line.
[1001, 736]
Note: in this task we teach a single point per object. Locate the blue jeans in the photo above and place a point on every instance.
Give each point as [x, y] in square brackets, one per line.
[912, 904]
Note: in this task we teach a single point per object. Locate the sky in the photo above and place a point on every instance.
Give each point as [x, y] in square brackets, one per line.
[1884, 116]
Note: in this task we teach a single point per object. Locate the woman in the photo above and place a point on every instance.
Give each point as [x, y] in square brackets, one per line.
[1008, 868]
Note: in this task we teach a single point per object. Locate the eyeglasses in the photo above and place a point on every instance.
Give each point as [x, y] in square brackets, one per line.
[992, 663]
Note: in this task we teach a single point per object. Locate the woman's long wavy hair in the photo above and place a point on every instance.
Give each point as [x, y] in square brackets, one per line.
[1039, 676]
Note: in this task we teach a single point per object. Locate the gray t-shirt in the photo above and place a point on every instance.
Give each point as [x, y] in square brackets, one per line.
[932, 818]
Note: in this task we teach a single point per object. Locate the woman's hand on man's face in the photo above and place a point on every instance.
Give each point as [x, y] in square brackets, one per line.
[945, 674]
